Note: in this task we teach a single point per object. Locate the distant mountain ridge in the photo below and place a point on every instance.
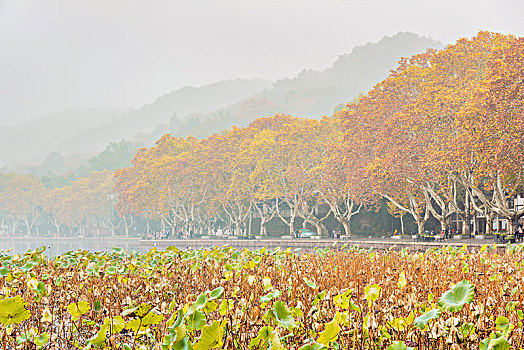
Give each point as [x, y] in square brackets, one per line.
[89, 131]
[30, 141]
[312, 93]
[165, 110]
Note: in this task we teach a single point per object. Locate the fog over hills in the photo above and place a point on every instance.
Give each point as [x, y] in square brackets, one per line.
[311, 93]
[201, 111]
[165, 110]
[30, 141]
[91, 130]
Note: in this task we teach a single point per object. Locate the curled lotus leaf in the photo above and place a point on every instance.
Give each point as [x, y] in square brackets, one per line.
[270, 296]
[216, 293]
[496, 341]
[423, 319]
[330, 333]
[310, 284]
[100, 337]
[460, 294]
[282, 315]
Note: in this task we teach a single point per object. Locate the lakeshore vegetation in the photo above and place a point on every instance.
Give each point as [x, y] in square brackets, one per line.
[339, 298]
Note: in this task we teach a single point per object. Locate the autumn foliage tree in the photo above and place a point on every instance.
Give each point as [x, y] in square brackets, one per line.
[408, 127]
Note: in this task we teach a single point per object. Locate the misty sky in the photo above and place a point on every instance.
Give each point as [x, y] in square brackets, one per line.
[57, 54]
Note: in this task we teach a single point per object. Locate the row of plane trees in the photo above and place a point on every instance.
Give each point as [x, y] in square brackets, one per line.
[441, 136]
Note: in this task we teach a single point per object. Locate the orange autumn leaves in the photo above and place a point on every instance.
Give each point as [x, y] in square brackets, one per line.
[445, 120]
[190, 183]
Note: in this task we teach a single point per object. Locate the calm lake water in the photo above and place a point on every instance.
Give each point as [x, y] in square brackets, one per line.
[56, 246]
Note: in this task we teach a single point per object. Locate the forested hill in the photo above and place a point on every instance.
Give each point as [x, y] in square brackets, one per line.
[311, 93]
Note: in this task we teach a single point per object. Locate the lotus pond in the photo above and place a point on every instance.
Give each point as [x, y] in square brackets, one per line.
[345, 298]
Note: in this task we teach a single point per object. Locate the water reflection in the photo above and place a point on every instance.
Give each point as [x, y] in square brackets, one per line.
[57, 246]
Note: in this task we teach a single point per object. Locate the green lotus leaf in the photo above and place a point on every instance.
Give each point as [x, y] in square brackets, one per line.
[201, 301]
[116, 324]
[460, 294]
[502, 323]
[97, 305]
[225, 305]
[496, 341]
[13, 311]
[78, 309]
[196, 320]
[313, 345]
[282, 315]
[423, 319]
[520, 314]
[399, 345]
[211, 337]
[267, 339]
[152, 318]
[40, 288]
[330, 333]
[28, 266]
[22, 338]
[270, 296]
[262, 337]
[179, 319]
[42, 339]
[466, 330]
[354, 307]
[184, 344]
[372, 292]
[216, 293]
[178, 333]
[4, 271]
[319, 297]
[111, 270]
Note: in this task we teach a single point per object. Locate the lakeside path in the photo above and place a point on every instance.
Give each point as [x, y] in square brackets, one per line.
[60, 245]
[310, 244]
